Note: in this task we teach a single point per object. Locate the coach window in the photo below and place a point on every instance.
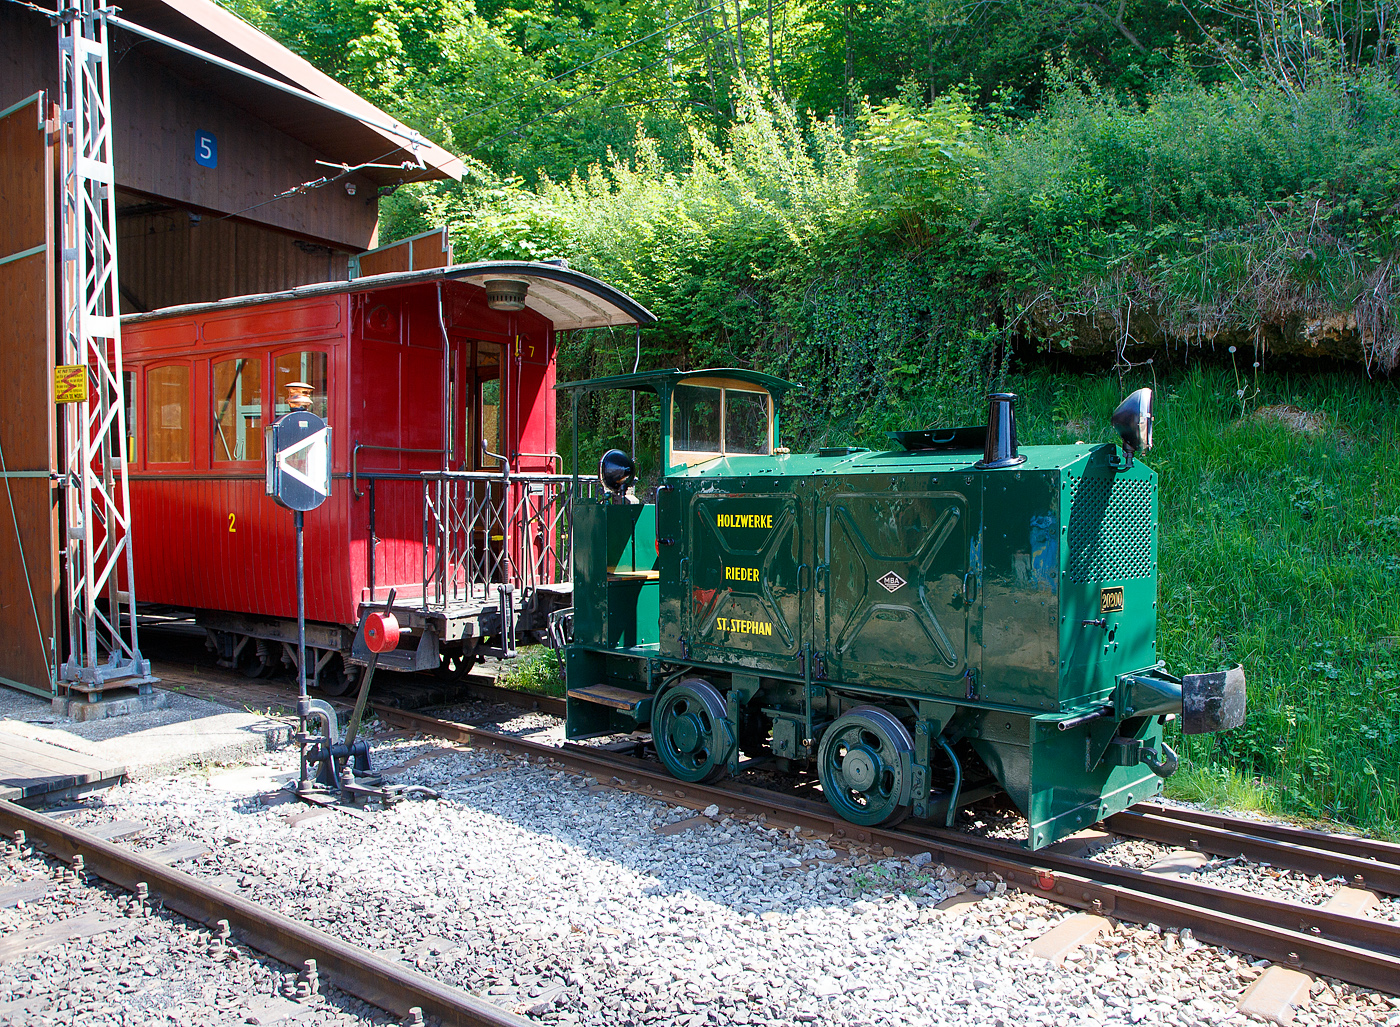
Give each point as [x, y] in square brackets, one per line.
[237, 410]
[168, 414]
[305, 366]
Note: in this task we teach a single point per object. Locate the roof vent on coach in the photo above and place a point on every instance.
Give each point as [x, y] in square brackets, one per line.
[505, 294]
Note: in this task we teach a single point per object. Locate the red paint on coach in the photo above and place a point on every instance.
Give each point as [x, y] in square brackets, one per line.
[208, 537]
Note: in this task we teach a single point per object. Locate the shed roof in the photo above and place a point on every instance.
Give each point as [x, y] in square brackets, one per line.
[567, 298]
[211, 28]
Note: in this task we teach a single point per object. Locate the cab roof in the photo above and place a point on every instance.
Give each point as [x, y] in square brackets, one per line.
[841, 460]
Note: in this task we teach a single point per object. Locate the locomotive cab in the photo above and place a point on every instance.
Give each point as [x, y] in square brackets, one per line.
[953, 617]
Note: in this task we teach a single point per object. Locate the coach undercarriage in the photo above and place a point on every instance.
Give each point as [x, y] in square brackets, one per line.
[494, 568]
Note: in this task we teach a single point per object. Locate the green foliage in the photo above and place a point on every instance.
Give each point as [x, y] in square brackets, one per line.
[919, 161]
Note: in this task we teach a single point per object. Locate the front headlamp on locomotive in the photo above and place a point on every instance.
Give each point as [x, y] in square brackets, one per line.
[926, 626]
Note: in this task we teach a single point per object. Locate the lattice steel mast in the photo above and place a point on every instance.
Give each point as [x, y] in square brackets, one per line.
[102, 643]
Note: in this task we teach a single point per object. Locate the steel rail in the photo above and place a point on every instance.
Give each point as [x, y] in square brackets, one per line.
[1242, 841]
[1314, 921]
[1332, 841]
[1226, 918]
[382, 982]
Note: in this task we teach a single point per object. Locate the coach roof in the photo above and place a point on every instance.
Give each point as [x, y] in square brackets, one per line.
[568, 299]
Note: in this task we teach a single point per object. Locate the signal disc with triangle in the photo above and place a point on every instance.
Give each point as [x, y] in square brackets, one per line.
[299, 461]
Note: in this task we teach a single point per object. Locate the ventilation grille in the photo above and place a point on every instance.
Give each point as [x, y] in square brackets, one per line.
[1110, 529]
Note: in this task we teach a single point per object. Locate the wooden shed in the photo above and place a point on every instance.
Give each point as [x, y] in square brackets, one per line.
[213, 199]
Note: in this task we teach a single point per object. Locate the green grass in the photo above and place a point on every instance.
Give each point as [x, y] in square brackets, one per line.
[1279, 550]
[535, 670]
[1224, 788]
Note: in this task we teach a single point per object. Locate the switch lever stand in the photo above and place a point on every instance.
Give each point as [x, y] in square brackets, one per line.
[342, 761]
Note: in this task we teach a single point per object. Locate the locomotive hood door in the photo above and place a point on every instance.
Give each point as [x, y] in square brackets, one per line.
[744, 604]
[897, 585]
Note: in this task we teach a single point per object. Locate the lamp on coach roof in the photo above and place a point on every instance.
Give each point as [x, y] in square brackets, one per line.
[299, 395]
[506, 294]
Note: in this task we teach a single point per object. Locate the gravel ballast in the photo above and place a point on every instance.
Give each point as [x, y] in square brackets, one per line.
[143, 965]
[574, 903]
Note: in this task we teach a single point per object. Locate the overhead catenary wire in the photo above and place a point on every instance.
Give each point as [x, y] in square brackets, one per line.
[54, 15]
[315, 183]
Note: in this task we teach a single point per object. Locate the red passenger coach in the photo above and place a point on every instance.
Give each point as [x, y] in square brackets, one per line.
[438, 386]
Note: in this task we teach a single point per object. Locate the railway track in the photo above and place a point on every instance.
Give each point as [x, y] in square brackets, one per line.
[1361, 862]
[385, 983]
[1347, 946]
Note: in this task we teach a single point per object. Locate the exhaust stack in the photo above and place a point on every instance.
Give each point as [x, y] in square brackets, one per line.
[1001, 450]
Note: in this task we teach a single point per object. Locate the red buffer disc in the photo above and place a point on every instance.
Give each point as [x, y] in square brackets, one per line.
[381, 632]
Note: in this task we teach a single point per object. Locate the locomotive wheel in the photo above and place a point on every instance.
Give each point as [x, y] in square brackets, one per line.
[864, 763]
[691, 732]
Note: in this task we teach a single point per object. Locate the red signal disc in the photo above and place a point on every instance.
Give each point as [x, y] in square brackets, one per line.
[381, 632]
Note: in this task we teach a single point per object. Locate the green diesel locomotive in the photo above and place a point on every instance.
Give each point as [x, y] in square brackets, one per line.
[926, 625]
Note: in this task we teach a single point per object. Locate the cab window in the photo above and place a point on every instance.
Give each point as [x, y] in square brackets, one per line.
[745, 422]
[696, 421]
[714, 416]
[238, 409]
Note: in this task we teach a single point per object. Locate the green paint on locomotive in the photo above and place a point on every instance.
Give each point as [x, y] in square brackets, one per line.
[989, 627]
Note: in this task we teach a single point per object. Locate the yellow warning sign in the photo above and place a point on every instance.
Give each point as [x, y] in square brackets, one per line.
[70, 383]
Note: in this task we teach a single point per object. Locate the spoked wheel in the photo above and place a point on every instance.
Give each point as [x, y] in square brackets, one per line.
[691, 732]
[256, 660]
[864, 764]
[455, 666]
[337, 677]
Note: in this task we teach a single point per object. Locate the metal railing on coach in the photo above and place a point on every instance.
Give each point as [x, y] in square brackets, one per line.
[484, 529]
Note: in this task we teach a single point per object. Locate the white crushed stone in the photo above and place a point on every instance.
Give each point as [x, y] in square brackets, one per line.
[1386, 909]
[1272, 882]
[561, 899]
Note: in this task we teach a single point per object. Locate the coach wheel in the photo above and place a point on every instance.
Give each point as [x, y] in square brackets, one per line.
[692, 733]
[864, 763]
[337, 676]
[455, 666]
[256, 659]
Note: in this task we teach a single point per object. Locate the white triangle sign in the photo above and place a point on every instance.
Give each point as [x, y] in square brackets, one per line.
[308, 461]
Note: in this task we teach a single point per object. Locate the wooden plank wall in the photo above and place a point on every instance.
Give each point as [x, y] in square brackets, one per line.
[156, 116]
[167, 259]
[28, 446]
